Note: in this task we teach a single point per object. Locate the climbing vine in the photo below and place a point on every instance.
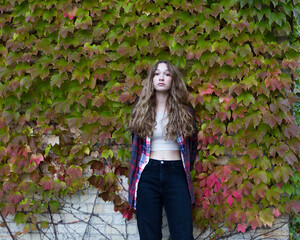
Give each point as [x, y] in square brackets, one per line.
[70, 72]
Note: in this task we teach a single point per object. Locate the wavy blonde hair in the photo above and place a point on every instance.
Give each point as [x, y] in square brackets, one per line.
[180, 118]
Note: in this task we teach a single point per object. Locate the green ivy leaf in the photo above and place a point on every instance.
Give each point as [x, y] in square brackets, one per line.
[263, 163]
[44, 45]
[20, 218]
[44, 224]
[54, 206]
[246, 98]
[110, 178]
[266, 216]
[273, 195]
[258, 176]
[253, 118]
[289, 189]
[107, 153]
[283, 172]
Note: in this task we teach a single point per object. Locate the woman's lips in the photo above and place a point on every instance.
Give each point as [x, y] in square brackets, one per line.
[161, 84]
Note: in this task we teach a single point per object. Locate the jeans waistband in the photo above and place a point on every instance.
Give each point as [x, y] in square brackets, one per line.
[164, 162]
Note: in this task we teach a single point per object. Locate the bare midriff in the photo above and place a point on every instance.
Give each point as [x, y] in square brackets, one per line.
[166, 155]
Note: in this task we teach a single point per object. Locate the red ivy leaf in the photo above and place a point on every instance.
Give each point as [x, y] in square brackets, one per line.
[271, 119]
[276, 212]
[96, 181]
[291, 130]
[74, 171]
[223, 115]
[190, 55]
[272, 151]
[4, 169]
[208, 89]
[98, 100]
[273, 83]
[296, 206]
[46, 183]
[253, 223]
[294, 144]
[198, 167]
[237, 195]
[8, 209]
[124, 97]
[103, 136]
[290, 157]
[233, 217]
[15, 198]
[104, 196]
[242, 24]
[239, 112]
[281, 148]
[9, 185]
[97, 166]
[254, 152]
[70, 12]
[246, 187]
[217, 198]
[123, 50]
[293, 64]
[242, 227]
[36, 158]
[128, 214]
[83, 99]
[205, 203]
[227, 140]
[230, 200]
[261, 190]
[121, 171]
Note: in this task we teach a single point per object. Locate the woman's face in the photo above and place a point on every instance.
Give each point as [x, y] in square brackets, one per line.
[162, 79]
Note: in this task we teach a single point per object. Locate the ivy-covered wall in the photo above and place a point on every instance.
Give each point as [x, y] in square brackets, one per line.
[73, 69]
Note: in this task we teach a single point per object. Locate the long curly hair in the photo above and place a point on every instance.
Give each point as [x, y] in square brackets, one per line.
[180, 119]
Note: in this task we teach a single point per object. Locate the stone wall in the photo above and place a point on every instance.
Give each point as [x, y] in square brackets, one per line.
[87, 217]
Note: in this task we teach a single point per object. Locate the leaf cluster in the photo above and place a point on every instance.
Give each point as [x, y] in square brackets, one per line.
[71, 71]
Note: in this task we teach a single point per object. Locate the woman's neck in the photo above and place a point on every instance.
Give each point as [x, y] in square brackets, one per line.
[161, 101]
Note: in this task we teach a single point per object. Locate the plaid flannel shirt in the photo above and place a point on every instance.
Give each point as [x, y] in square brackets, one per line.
[140, 156]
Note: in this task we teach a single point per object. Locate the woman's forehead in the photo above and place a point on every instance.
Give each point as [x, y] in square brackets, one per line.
[162, 67]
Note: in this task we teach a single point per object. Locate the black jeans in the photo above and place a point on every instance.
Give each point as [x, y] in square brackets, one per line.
[163, 183]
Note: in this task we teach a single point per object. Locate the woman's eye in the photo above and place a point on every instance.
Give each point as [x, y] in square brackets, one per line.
[168, 74]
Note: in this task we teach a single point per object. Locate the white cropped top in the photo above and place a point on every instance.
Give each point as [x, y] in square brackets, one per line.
[158, 142]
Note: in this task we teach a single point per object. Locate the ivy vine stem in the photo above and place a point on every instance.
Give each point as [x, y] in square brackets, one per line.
[52, 221]
[91, 215]
[8, 229]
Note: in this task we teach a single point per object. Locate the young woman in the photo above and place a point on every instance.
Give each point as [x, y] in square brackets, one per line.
[164, 148]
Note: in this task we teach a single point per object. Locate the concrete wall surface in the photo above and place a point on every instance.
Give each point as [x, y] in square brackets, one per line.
[88, 217]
